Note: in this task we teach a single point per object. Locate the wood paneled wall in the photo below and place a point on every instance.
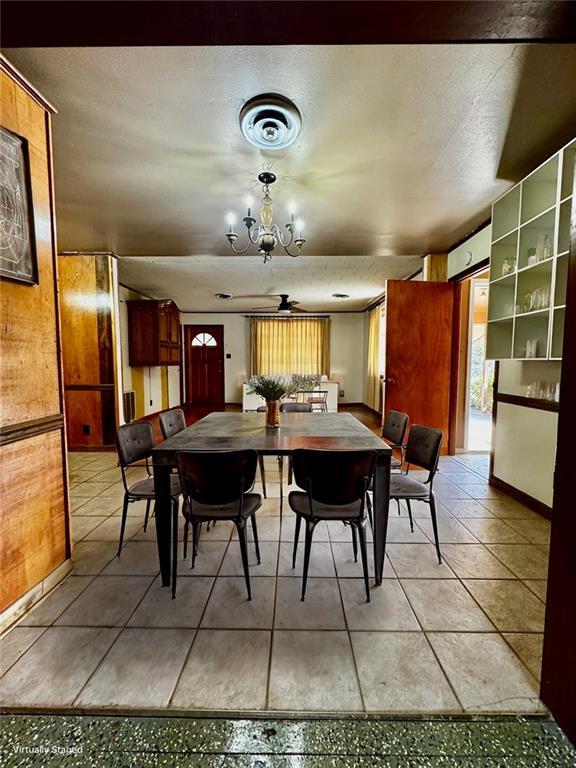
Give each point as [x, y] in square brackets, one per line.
[88, 348]
[34, 536]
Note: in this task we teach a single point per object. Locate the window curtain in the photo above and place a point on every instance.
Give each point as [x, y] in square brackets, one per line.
[373, 383]
[292, 345]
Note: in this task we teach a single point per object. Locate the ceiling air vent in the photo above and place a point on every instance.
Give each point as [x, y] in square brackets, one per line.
[270, 121]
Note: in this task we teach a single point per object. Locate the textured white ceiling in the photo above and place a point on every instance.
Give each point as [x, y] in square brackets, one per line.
[401, 152]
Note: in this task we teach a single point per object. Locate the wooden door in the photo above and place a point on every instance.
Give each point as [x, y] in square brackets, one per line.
[204, 364]
[418, 352]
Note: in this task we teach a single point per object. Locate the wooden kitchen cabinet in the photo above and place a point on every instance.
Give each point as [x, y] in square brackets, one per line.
[153, 332]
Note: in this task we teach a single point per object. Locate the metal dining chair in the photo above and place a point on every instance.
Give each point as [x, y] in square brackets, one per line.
[135, 442]
[217, 486]
[172, 422]
[423, 450]
[291, 408]
[336, 483]
[319, 398]
[394, 433]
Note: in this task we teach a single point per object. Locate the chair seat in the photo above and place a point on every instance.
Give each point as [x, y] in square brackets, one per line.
[298, 501]
[394, 464]
[406, 487]
[252, 502]
[144, 489]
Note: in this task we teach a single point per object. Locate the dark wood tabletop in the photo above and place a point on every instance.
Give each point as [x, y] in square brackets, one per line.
[239, 431]
[231, 431]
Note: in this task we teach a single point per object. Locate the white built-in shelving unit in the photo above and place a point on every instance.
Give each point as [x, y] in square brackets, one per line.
[529, 263]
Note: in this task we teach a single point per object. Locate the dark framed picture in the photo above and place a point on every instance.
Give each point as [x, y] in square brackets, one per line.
[18, 259]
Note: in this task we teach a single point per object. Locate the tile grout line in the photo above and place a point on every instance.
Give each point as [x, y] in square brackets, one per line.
[215, 577]
[273, 629]
[358, 681]
[432, 649]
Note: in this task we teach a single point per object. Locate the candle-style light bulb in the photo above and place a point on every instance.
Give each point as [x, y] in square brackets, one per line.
[299, 227]
[291, 211]
[249, 204]
[231, 220]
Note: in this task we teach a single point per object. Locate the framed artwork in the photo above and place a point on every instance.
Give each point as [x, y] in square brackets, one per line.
[17, 242]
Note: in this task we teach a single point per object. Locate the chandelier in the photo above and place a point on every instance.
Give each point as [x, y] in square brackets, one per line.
[266, 235]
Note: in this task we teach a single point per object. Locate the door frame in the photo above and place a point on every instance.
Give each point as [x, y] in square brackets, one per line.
[558, 680]
[187, 336]
[460, 352]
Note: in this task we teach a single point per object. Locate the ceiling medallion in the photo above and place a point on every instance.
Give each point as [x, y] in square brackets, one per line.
[270, 121]
[266, 235]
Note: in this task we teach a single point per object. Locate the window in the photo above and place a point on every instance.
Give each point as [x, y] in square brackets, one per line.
[204, 340]
[288, 346]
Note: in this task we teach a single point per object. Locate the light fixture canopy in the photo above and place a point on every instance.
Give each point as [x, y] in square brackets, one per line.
[267, 235]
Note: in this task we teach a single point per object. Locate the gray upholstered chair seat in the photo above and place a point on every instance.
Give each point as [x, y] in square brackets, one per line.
[252, 502]
[145, 488]
[404, 486]
[298, 501]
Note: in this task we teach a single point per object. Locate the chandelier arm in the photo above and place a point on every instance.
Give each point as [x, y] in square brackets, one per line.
[286, 248]
[254, 234]
[236, 249]
[285, 243]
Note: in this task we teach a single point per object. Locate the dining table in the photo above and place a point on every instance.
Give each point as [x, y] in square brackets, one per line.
[228, 431]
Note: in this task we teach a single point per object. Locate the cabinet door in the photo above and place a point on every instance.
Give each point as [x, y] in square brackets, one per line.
[164, 325]
[418, 351]
[174, 327]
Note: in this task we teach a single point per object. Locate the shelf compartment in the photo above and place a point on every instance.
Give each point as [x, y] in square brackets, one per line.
[564, 226]
[506, 213]
[505, 250]
[536, 240]
[557, 332]
[569, 155]
[531, 330]
[533, 279]
[539, 190]
[499, 340]
[561, 282]
[501, 298]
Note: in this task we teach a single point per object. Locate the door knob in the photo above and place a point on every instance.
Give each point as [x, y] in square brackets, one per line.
[389, 381]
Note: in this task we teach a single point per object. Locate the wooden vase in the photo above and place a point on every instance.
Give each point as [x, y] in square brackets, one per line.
[272, 414]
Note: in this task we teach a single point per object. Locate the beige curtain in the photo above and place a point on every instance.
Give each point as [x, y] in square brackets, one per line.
[373, 383]
[291, 345]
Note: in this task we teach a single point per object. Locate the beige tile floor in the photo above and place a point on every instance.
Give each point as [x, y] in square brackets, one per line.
[464, 635]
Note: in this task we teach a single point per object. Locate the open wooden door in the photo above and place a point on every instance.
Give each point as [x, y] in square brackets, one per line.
[204, 360]
[418, 352]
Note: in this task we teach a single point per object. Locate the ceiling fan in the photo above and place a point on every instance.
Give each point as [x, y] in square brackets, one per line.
[285, 307]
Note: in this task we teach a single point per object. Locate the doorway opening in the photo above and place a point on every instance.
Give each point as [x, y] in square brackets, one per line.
[480, 378]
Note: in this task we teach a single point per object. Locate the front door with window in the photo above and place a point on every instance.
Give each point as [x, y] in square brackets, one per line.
[204, 364]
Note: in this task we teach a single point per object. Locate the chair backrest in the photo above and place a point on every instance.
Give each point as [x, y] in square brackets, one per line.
[134, 441]
[319, 395]
[296, 407]
[423, 448]
[172, 422]
[394, 427]
[333, 477]
[216, 477]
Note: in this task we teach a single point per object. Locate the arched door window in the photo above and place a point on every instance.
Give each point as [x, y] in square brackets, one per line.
[204, 340]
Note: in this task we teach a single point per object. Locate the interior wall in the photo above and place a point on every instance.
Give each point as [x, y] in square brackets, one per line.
[34, 525]
[347, 351]
[155, 387]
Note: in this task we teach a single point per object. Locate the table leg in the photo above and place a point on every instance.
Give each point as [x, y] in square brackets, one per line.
[380, 513]
[162, 507]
